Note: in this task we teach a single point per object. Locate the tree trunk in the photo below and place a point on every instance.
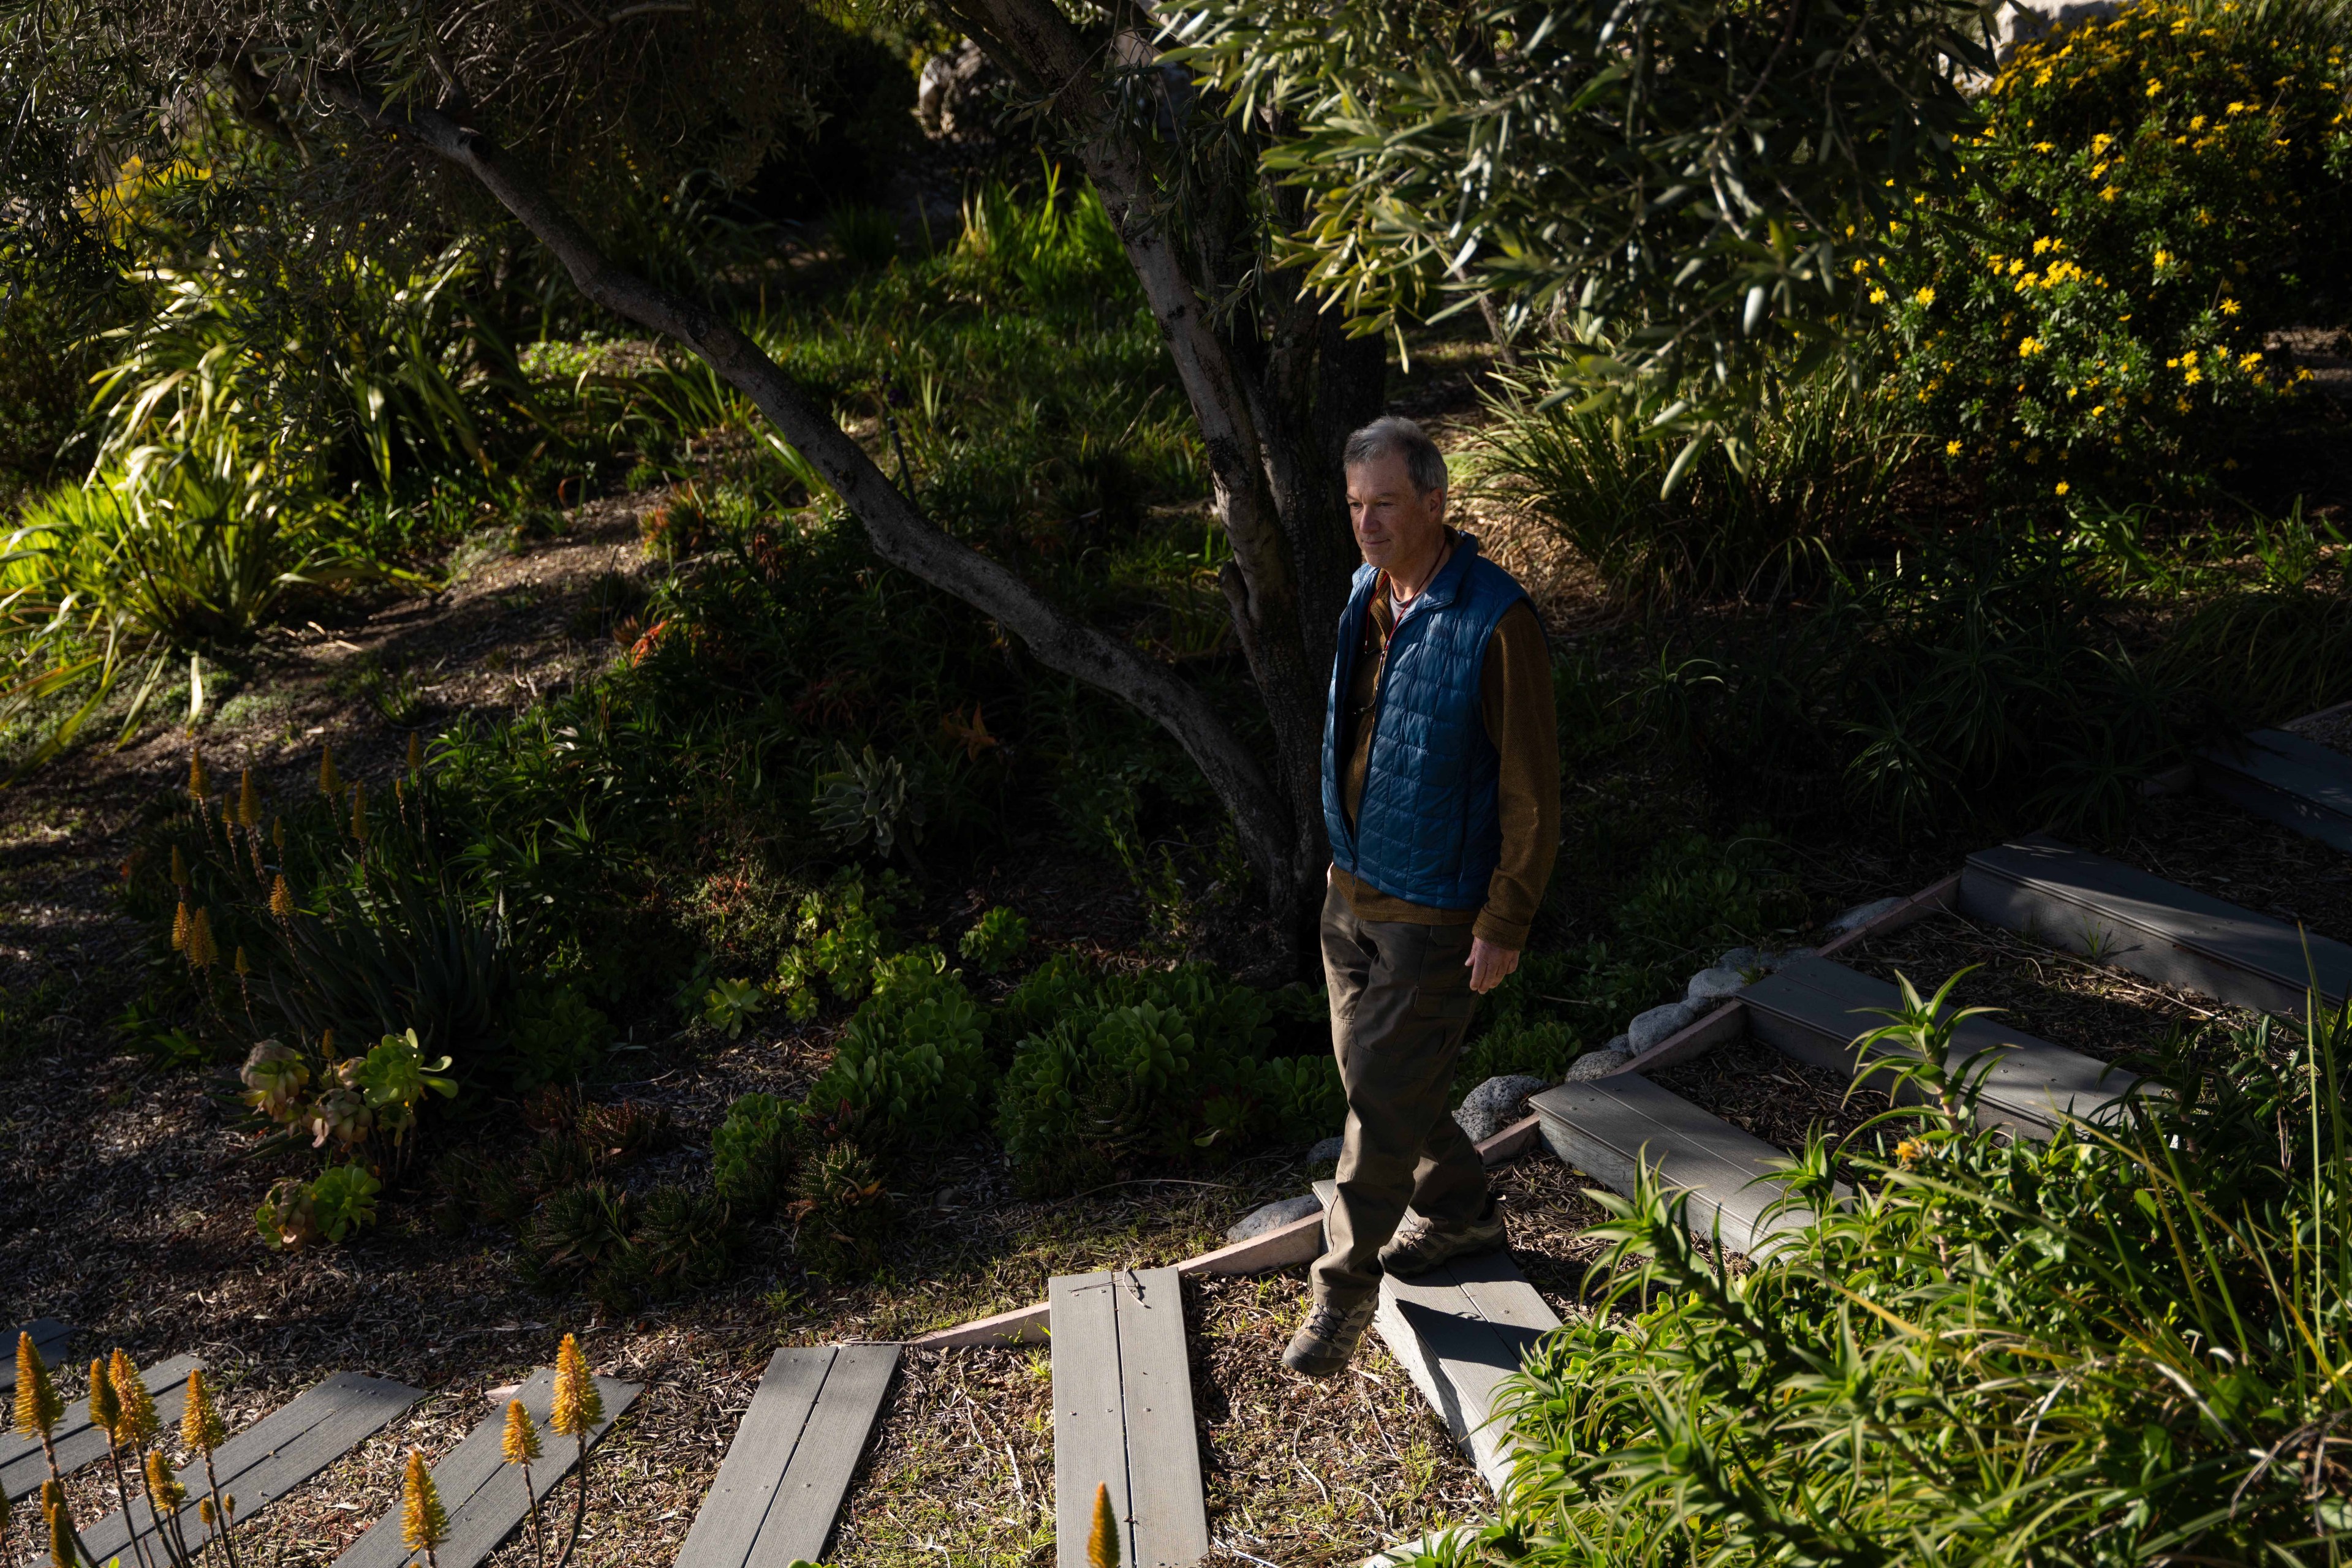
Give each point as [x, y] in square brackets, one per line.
[1274, 399]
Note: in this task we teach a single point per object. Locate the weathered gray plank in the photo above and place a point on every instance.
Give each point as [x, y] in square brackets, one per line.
[2119, 914]
[1611, 1128]
[2295, 783]
[1459, 1330]
[744, 1491]
[23, 1467]
[49, 1338]
[1163, 1445]
[277, 1453]
[1089, 1426]
[1123, 1416]
[1813, 1009]
[483, 1494]
[808, 1496]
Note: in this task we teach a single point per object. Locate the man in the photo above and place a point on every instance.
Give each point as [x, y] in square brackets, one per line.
[1441, 796]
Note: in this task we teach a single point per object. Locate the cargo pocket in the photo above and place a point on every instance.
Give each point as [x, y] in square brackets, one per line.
[1452, 1005]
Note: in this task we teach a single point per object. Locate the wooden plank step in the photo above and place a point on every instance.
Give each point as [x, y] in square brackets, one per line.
[275, 1453]
[23, 1467]
[784, 1476]
[2295, 783]
[49, 1338]
[1813, 1009]
[1123, 1417]
[1460, 1330]
[482, 1492]
[1611, 1128]
[2115, 913]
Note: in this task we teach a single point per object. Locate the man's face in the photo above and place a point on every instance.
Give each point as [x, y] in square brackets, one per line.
[1396, 523]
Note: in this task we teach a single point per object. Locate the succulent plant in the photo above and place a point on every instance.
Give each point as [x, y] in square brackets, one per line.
[273, 1076]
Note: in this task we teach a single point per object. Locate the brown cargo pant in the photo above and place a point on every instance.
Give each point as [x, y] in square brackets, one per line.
[1400, 1002]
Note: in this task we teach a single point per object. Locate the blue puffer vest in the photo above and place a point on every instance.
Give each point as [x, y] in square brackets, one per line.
[1429, 827]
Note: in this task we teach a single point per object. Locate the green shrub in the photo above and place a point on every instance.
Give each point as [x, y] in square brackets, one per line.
[751, 1153]
[1752, 520]
[1984, 685]
[2151, 195]
[623, 1250]
[996, 940]
[1169, 1065]
[366, 1106]
[553, 1036]
[1541, 1047]
[2109, 1349]
[843, 931]
[843, 1213]
[1695, 895]
[1304, 1093]
[912, 1064]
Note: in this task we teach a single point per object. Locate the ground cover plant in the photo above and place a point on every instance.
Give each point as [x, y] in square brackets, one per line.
[2115, 1345]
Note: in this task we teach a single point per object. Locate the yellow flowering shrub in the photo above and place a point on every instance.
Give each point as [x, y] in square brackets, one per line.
[2150, 195]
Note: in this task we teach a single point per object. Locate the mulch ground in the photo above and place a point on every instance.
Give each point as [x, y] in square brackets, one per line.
[2099, 1010]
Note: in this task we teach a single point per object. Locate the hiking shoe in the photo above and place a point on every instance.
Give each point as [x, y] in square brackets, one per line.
[1419, 1245]
[1328, 1337]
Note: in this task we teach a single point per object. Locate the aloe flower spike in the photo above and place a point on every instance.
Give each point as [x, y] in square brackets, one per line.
[139, 1422]
[1102, 1543]
[519, 1447]
[423, 1523]
[107, 1415]
[164, 1497]
[202, 1429]
[575, 1412]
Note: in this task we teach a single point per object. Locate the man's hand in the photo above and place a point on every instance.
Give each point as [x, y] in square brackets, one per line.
[1489, 965]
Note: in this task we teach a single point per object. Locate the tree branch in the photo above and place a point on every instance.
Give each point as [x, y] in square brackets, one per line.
[898, 533]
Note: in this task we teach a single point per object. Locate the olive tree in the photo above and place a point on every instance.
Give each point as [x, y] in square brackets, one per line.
[1320, 172]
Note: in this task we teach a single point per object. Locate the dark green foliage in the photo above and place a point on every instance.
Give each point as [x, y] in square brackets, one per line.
[1688, 183]
[1304, 1093]
[995, 941]
[842, 1213]
[842, 932]
[1165, 1066]
[1976, 688]
[553, 1036]
[751, 1153]
[1695, 896]
[685, 1241]
[911, 1066]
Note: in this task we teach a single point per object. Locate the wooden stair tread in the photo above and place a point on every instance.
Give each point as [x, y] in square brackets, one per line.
[49, 1338]
[1813, 1009]
[2295, 783]
[23, 1467]
[1460, 1330]
[2136, 921]
[1611, 1128]
[275, 1453]
[784, 1476]
[1123, 1417]
[482, 1492]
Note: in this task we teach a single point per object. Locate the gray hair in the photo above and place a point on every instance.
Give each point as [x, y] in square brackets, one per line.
[1393, 434]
